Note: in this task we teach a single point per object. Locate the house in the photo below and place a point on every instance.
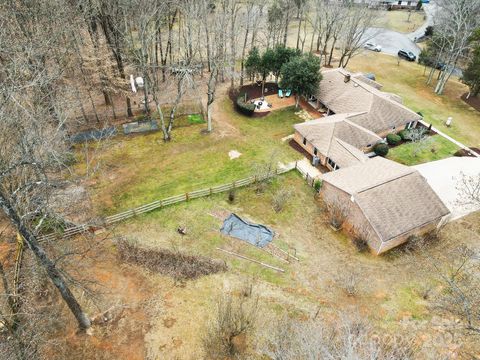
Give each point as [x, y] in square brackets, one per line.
[384, 202]
[336, 140]
[360, 116]
[343, 92]
[389, 4]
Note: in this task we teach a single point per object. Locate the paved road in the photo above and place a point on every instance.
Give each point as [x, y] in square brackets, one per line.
[392, 41]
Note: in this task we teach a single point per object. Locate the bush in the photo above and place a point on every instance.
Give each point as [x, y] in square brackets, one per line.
[280, 198]
[403, 134]
[178, 265]
[231, 328]
[141, 117]
[243, 107]
[381, 149]
[231, 196]
[317, 185]
[393, 139]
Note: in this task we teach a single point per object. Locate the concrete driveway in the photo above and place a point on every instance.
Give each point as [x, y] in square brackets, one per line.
[392, 41]
[444, 177]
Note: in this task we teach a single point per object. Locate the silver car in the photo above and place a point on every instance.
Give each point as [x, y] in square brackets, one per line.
[372, 46]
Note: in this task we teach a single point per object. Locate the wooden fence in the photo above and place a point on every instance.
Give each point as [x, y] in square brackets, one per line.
[110, 220]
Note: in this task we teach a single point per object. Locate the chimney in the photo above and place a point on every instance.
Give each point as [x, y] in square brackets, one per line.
[347, 78]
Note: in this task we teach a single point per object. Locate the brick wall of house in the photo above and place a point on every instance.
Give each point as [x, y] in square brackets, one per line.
[355, 218]
[404, 237]
[309, 147]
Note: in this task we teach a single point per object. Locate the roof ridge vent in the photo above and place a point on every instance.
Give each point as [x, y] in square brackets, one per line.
[347, 78]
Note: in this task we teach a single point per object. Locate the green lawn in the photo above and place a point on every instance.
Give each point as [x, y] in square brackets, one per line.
[434, 148]
[408, 81]
[142, 168]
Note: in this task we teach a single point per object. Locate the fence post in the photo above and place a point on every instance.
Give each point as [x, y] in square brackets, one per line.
[210, 191]
[186, 196]
[233, 183]
[296, 165]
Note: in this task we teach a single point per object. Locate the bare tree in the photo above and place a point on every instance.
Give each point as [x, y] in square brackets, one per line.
[349, 337]
[419, 137]
[356, 31]
[234, 318]
[455, 22]
[31, 150]
[468, 187]
[459, 272]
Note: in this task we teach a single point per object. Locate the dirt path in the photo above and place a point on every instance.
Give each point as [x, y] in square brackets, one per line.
[223, 125]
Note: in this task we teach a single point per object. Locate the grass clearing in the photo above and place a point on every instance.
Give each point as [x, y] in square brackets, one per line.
[398, 20]
[142, 168]
[435, 148]
[408, 81]
[387, 291]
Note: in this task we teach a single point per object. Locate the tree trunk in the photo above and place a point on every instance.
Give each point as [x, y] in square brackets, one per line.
[52, 272]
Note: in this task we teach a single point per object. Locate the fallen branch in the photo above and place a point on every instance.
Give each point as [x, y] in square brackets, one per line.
[252, 260]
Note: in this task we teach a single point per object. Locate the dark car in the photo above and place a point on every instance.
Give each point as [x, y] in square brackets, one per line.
[407, 55]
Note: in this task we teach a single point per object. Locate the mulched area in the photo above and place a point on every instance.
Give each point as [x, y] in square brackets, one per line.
[473, 101]
[254, 90]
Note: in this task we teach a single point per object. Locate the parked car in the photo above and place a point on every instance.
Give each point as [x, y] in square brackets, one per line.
[372, 46]
[407, 55]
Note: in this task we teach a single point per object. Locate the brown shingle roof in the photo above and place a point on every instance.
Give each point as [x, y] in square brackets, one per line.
[321, 131]
[382, 111]
[344, 154]
[394, 198]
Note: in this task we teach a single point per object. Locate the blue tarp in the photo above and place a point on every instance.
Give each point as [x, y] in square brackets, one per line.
[255, 234]
[93, 134]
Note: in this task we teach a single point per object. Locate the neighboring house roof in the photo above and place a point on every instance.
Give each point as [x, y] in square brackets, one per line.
[382, 110]
[394, 198]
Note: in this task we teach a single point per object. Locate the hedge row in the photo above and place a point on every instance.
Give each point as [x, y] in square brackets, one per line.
[243, 107]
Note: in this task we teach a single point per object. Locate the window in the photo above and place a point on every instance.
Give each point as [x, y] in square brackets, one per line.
[369, 145]
[410, 125]
[400, 2]
[332, 164]
[304, 141]
[315, 151]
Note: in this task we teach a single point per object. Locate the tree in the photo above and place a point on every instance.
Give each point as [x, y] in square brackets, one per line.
[350, 336]
[356, 31]
[471, 75]
[32, 122]
[455, 22]
[32, 149]
[419, 137]
[253, 63]
[274, 60]
[301, 75]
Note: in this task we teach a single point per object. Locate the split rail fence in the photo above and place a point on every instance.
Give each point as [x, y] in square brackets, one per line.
[110, 220]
